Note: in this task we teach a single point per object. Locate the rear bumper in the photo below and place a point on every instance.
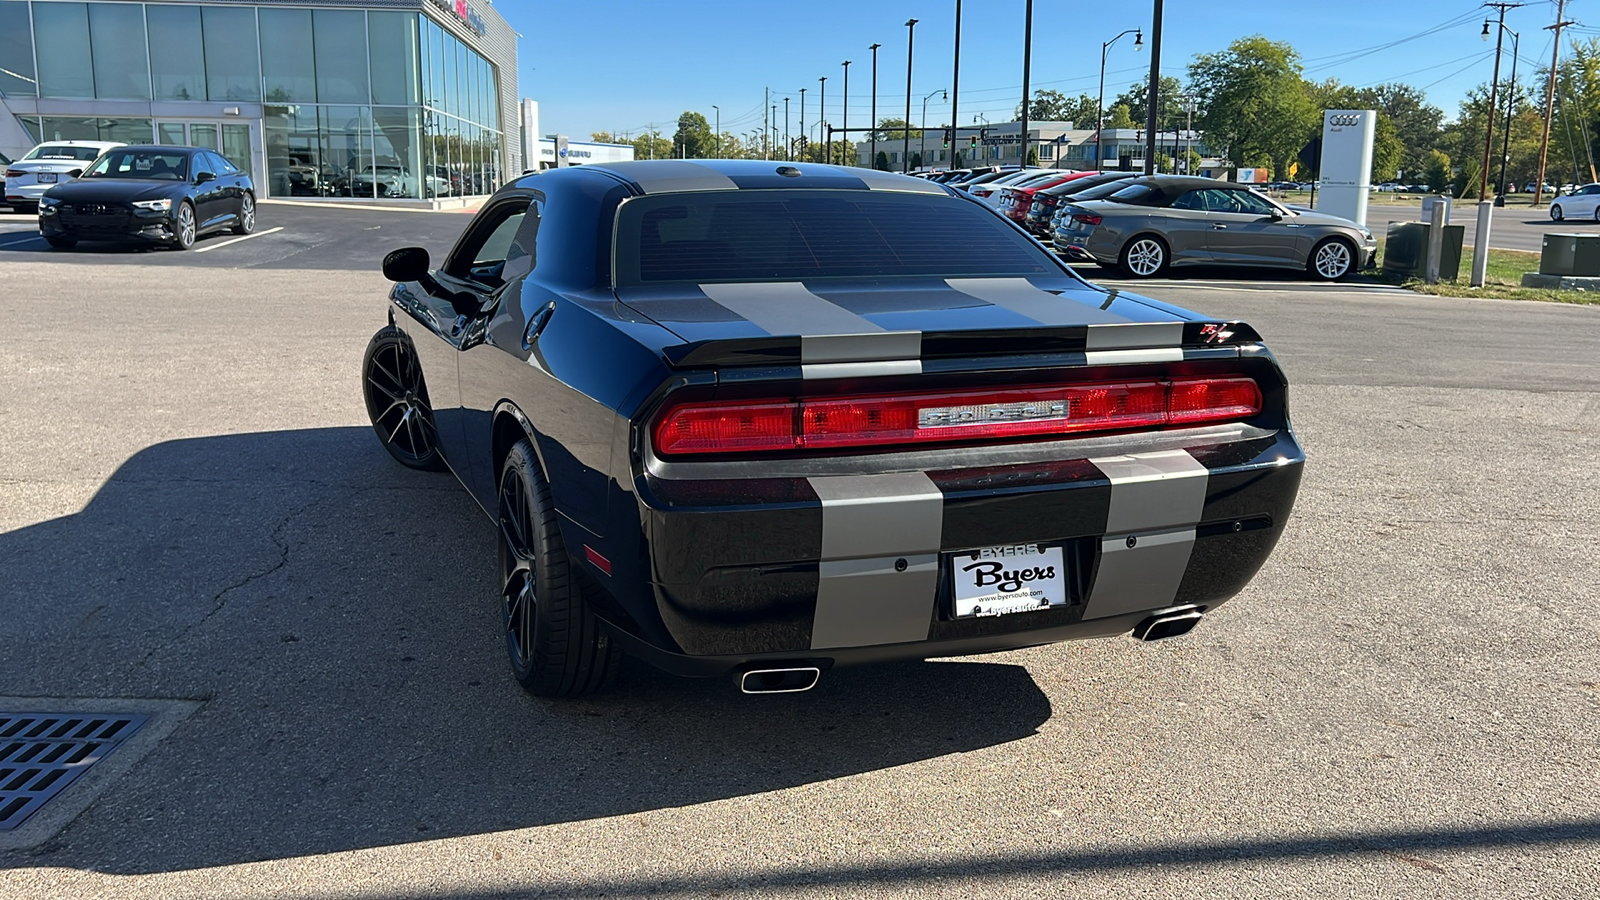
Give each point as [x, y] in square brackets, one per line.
[844, 569]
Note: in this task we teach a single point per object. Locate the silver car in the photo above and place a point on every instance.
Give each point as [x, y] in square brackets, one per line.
[1160, 221]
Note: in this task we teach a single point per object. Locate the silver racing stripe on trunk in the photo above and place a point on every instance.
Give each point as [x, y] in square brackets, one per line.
[1021, 296]
[1156, 501]
[834, 342]
[1135, 342]
[879, 569]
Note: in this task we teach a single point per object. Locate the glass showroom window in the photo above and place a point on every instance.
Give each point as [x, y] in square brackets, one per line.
[116, 42]
[233, 66]
[341, 55]
[61, 32]
[395, 57]
[288, 61]
[397, 151]
[177, 53]
[80, 128]
[16, 51]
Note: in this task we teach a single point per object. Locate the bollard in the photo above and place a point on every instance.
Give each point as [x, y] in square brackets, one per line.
[1480, 244]
[1435, 243]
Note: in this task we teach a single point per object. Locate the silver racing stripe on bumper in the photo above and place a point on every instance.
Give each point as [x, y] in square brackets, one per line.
[879, 569]
[1135, 342]
[1156, 501]
[834, 342]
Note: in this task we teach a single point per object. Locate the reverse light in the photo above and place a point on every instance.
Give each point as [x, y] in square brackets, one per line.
[768, 426]
[157, 205]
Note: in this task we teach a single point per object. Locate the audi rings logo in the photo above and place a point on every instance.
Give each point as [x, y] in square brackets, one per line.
[1345, 119]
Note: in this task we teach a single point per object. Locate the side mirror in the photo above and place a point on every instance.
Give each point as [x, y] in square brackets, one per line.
[75, 173]
[204, 177]
[407, 264]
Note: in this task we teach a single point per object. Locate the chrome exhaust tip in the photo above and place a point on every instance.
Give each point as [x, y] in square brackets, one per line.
[788, 680]
[1174, 623]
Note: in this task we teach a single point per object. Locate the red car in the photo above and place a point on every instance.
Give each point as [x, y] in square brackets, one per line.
[1015, 202]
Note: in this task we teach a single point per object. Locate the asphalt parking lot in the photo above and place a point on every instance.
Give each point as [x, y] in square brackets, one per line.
[196, 520]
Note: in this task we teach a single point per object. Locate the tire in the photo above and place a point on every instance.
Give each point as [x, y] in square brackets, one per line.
[247, 215]
[556, 646]
[1146, 256]
[1556, 215]
[61, 241]
[1333, 259]
[184, 229]
[397, 401]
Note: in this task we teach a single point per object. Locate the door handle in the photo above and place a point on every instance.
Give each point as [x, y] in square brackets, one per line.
[1218, 226]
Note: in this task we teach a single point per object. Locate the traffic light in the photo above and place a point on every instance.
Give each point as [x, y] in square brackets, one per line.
[974, 142]
[947, 134]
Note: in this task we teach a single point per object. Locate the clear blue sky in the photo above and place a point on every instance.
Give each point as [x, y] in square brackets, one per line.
[623, 64]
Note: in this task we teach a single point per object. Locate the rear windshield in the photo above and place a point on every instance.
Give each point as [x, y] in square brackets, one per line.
[788, 235]
[1098, 192]
[61, 151]
[1139, 194]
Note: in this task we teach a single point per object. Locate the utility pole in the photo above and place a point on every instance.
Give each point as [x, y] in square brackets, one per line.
[1550, 98]
[955, 94]
[788, 142]
[802, 124]
[905, 152]
[872, 161]
[766, 149]
[1027, 61]
[849, 155]
[1152, 95]
[1480, 240]
[822, 119]
[719, 129]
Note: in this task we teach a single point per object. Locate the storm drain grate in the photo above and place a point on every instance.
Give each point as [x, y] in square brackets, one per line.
[42, 753]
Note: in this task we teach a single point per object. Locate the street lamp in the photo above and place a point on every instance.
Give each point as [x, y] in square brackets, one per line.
[719, 129]
[1511, 103]
[1152, 96]
[802, 124]
[955, 88]
[788, 143]
[1099, 110]
[925, 119]
[822, 118]
[849, 141]
[872, 161]
[1480, 242]
[905, 151]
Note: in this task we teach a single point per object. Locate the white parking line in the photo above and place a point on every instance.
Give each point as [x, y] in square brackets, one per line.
[237, 239]
[25, 238]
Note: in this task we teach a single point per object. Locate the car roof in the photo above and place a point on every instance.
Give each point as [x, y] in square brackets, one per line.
[79, 144]
[670, 176]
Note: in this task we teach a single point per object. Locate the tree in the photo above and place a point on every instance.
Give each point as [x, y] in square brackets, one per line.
[1118, 116]
[894, 129]
[1254, 101]
[882, 162]
[693, 139]
[916, 161]
[1054, 106]
[652, 146]
[1033, 157]
[1136, 99]
[1436, 172]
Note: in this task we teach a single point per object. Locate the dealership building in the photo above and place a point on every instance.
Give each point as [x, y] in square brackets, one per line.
[418, 97]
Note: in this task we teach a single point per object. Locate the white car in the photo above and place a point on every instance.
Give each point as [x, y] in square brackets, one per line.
[45, 165]
[1582, 203]
[392, 181]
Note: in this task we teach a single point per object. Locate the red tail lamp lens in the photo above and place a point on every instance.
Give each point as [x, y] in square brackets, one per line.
[737, 426]
[1088, 219]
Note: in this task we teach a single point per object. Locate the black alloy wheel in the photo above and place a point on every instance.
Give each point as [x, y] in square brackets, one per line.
[556, 646]
[397, 401]
[183, 227]
[247, 216]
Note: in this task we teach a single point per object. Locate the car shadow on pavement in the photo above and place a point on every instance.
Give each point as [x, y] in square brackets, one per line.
[339, 618]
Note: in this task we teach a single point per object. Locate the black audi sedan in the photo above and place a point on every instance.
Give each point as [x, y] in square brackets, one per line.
[159, 195]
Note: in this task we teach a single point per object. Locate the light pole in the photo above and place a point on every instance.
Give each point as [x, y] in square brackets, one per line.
[1100, 107]
[719, 129]
[802, 124]
[905, 150]
[849, 142]
[1153, 92]
[1511, 103]
[925, 119]
[1188, 134]
[1027, 64]
[1480, 240]
[771, 142]
[788, 144]
[872, 161]
[822, 118]
[955, 89]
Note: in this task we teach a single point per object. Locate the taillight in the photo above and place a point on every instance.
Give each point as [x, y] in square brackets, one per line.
[15, 173]
[1087, 218]
[763, 426]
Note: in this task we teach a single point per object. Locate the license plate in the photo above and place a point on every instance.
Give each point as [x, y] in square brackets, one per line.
[45, 178]
[995, 581]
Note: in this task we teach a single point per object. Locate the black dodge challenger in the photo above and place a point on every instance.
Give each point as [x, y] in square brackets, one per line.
[750, 418]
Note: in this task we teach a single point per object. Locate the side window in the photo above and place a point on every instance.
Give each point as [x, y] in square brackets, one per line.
[223, 167]
[205, 162]
[482, 256]
[1192, 200]
[1220, 201]
[1251, 203]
